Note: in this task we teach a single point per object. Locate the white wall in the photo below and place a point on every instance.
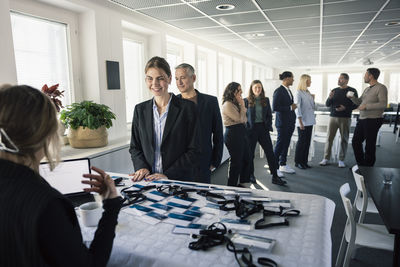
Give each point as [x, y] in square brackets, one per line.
[8, 72]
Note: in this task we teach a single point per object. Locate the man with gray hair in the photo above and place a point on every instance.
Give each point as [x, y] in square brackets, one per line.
[210, 122]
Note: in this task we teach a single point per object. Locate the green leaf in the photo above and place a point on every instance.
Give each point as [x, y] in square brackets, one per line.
[87, 114]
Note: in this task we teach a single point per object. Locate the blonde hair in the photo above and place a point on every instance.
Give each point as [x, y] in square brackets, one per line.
[303, 82]
[29, 119]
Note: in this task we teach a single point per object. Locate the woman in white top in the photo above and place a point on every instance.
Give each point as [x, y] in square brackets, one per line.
[304, 122]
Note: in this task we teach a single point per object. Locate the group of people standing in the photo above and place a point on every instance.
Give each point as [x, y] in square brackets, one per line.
[181, 137]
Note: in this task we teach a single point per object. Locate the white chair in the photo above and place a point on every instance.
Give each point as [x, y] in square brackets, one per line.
[362, 202]
[359, 234]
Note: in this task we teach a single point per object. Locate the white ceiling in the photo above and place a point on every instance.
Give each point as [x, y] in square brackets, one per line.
[298, 33]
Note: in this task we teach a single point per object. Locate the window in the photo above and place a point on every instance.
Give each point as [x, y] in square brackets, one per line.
[133, 68]
[174, 58]
[224, 73]
[41, 53]
[207, 71]
[237, 71]
[356, 81]
[394, 88]
[332, 82]
[316, 87]
[248, 75]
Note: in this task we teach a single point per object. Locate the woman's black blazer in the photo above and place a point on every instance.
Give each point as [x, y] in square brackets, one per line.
[251, 115]
[180, 145]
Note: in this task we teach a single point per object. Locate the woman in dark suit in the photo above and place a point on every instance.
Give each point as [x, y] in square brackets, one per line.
[259, 124]
[165, 134]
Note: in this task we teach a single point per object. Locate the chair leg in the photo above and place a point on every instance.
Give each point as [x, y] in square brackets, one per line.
[348, 256]
[342, 248]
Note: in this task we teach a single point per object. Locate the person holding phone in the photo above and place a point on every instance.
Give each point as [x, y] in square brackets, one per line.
[234, 118]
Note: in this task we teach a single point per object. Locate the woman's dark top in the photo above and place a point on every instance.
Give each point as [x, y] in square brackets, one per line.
[38, 225]
[266, 115]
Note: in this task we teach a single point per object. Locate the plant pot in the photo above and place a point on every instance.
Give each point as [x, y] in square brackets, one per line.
[61, 132]
[87, 138]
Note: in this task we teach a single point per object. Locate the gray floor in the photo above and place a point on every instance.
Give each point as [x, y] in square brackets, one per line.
[326, 181]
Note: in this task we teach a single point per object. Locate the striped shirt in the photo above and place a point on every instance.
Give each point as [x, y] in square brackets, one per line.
[159, 124]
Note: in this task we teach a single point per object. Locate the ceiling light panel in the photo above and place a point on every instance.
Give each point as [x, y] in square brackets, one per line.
[171, 12]
[209, 7]
[272, 4]
[292, 13]
[229, 20]
[193, 23]
[341, 8]
[134, 4]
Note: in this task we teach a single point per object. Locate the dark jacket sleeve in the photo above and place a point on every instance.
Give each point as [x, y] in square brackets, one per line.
[60, 237]
[218, 138]
[190, 158]
[329, 101]
[269, 116]
[136, 149]
[277, 104]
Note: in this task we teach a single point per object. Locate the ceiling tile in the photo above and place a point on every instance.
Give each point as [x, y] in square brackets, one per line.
[133, 4]
[240, 18]
[389, 15]
[296, 23]
[340, 8]
[203, 22]
[260, 26]
[209, 7]
[171, 12]
[351, 18]
[292, 13]
[271, 4]
[210, 31]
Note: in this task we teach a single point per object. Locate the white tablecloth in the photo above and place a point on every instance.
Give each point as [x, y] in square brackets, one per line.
[305, 242]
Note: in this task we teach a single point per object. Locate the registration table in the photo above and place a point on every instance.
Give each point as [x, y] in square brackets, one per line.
[386, 199]
[305, 242]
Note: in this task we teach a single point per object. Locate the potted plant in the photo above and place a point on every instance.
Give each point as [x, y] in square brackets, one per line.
[87, 123]
[54, 94]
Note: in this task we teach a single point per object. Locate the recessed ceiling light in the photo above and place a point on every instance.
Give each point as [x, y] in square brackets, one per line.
[372, 42]
[276, 48]
[257, 34]
[225, 7]
[392, 23]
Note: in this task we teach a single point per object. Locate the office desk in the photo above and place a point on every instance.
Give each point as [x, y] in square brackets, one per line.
[305, 242]
[386, 199]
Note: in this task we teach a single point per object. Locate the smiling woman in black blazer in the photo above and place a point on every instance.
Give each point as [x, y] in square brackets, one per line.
[165, 133]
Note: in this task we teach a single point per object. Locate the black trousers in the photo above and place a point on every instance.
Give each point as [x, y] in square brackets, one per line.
[366, 130]
[303, 144]
[260, 134]
[282, 143]
[239, 163]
